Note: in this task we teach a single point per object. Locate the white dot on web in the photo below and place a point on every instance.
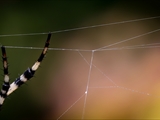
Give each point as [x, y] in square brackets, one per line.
[86, 92]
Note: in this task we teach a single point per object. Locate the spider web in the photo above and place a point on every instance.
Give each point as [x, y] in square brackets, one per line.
[104, 87]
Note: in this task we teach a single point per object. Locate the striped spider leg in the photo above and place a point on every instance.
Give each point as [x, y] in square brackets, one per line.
[6, 85]
[30, 71]
[28, 74]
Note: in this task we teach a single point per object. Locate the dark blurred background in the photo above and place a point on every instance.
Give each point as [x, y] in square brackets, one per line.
[62, 77]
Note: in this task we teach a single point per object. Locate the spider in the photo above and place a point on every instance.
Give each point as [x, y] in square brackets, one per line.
[7, 88]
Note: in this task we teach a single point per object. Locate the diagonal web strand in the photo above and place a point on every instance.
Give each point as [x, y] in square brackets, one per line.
[81, 28]
[126, 40]
[141, 46]
[115, 85]
[70, 107]
[131, 48]
[98, 69]
[87, 87]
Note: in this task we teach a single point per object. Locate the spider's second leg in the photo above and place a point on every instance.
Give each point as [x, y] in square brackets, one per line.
[30, 71]
[6, 85]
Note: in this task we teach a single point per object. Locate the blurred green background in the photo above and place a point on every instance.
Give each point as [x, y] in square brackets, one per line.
[59, 82]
